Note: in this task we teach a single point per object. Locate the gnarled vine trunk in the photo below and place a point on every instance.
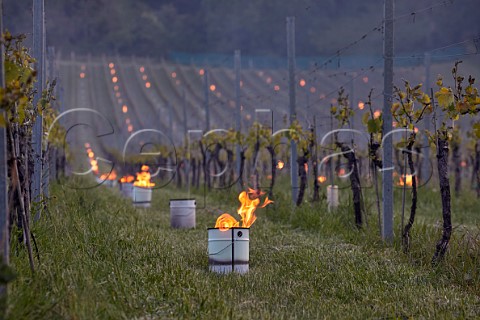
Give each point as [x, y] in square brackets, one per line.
[349, 154]
[413, 207]
[302, 160]
[442, 166]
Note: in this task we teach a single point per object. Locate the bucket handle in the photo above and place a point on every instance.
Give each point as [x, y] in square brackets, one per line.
[214, 254]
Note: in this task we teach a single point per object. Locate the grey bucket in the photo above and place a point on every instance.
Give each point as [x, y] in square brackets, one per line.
[182, 213]
[142, 197]
[228, 251]
[127, 189]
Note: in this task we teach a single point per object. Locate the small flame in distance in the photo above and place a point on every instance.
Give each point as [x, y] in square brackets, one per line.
[143, 178]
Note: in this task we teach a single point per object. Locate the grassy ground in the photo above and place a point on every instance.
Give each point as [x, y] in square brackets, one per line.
[101, 258]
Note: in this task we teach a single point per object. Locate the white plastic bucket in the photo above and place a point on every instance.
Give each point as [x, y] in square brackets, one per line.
[332, 197]
[228, 251]
[142, 197]
[127, 189]
[182, 213]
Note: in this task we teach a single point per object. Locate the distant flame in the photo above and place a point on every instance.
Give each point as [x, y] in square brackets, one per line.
[127, 179]
[109, 176]
[280, 164]
[91, 156]
[408, 180]
[248, 205]
[321, 179]
[143, 178]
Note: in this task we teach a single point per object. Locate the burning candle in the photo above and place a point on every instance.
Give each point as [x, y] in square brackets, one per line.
[228, 243]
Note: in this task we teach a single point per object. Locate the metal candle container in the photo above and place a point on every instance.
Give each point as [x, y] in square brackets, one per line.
[142, 197]
[228, 251]
[182, 213]
[127, 189]
[332, 197]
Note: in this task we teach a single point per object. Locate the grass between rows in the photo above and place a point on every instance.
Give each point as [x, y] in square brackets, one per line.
[102, 258]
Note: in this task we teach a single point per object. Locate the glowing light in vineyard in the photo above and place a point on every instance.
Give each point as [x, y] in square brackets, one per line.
[130, 128]
[117, 94]
[115, 88]
[212, 87]
[148, 84]
[125, 109]
[377, 114]
[280, 164]
[302, 83]
[269, 80]
[111, 65]
[361, 105]
[201, 72]
[112, 72]
[82, 75]
[142, 69]
[114, 79]
[276, 88]
[321, 179]
[174, 75]
[144, 77]
[365, 79]
[313, 90]
[87, 145]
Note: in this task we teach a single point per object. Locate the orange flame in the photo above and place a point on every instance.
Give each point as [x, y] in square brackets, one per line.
[109, 176]
[405, 180]
[280, 164]
[225, 222]
[321, 179]
[127, 179]
[246, 210]
[143, 178]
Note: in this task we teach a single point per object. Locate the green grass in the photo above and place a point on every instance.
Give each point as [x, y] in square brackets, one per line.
[101, 258]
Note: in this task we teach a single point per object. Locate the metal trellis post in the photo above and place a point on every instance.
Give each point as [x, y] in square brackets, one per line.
[37, 134]
[387, 182]
[293, 115]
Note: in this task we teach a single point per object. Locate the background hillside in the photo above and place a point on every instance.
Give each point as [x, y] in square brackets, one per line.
[158, 28]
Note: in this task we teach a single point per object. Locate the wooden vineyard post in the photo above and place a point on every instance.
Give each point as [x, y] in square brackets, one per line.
[293, 116]
[387, 182]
